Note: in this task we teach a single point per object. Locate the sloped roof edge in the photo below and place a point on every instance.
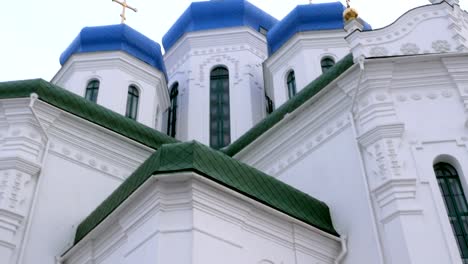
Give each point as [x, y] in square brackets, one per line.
[303, 96]
[79, 106]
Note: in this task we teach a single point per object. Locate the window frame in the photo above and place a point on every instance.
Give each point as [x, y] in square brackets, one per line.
[220, 120]
[172, 113]
[92, 91]
[326, 68]
[133, 101]
[269, 105]
[291, 83]
[450, 203]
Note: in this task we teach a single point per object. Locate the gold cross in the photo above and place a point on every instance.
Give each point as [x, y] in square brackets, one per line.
[124, 8]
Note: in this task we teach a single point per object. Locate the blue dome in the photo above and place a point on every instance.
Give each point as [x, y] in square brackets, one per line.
[116, 38]
[217, 14]
[311, 17]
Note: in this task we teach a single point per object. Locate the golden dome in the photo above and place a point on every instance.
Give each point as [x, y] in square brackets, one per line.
[350, 14]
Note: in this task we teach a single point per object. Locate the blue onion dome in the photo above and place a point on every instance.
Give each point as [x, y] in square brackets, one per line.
[116, 38]
[218, 14]
[303, 18]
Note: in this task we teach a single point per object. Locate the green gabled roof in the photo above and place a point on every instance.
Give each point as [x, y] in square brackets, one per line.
[222, 169]
[85, 109]
[303, 96]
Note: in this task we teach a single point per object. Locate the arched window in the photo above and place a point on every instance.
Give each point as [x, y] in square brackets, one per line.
[172, 117]
[455, 203]
[291, 82]
[327, 63]
[92, 90]
[132, 102]
[220, 116]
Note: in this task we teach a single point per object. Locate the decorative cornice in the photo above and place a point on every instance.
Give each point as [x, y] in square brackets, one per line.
[305, 41]
[187, 193]
[20, 164]
[217, 37]
[401, 37]
[109, 60]
[72, 138]
[397, 197]
[381, 132]
[208, 43]
[203, 52]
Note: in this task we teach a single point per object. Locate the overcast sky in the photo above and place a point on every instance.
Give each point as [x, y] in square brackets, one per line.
[33, 33]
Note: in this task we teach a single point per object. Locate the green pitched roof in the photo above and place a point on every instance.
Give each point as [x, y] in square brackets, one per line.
[85, 109]
[303, 96]
[222, 169]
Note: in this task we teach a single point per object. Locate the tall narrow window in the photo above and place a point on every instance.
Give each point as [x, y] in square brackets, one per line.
[455, 203]
[172, 115]
[291, 82]
[327, 63]
[220, 116]
[132, 102]
[269, 105]
[92, 90]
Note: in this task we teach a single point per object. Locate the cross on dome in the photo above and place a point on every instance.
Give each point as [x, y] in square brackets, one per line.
[124, 9]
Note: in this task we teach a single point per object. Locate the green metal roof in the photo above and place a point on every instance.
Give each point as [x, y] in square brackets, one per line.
[303, 96]
[85, 109]
[222, 169]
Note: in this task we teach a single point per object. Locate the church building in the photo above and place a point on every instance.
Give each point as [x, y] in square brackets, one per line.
[315, 139]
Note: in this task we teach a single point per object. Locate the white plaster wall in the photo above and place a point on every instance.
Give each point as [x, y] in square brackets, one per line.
[428, 99]
[314, 149]
[68, 193]
[410, 112]
[303, 54]
[190, 61]
[116, 71]
[179, 220]
[332, 174]
[83, 165]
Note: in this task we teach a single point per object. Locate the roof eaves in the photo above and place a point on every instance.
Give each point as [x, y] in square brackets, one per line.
[78, 106]
[219, 168]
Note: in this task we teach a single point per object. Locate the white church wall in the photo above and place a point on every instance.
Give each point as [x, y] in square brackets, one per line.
[302, 54]
[116, 71]
[21, 147]
[46, 200]
[427, 99]
[403, 105]
[68, 193]
[241, 51]
[315, 151]
[332, 173]
[186, 219]
[413, 119]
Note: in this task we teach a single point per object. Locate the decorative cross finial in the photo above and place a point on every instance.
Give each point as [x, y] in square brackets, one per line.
[124, 8]
[348, 3]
